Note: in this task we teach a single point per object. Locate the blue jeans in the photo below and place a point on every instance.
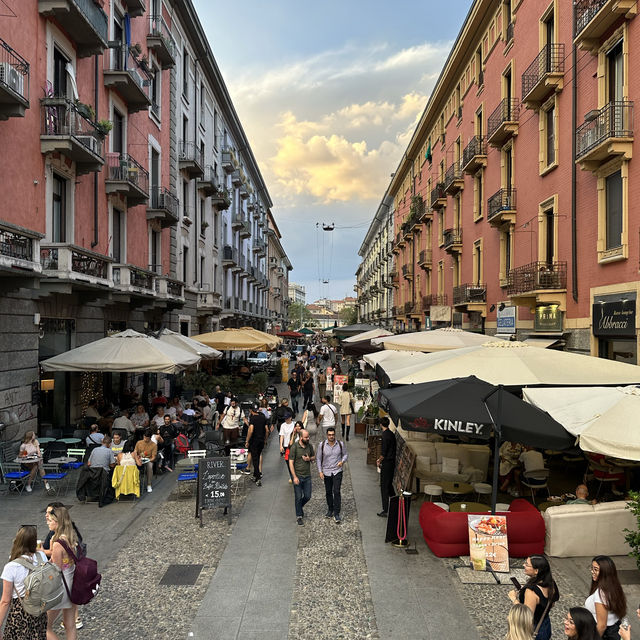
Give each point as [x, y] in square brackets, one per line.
[302, 492]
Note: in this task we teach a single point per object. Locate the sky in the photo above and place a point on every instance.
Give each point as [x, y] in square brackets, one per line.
[329, 94]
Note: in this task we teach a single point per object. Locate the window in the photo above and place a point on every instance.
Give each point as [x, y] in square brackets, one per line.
[507, 168]
[550, 115]
[615, 73]
[59, 209]
[118, 144]
[548, 137]
[477, 262]
[478, 195]
[202, 270]
[203, 95]
[117, 55]
[118, 234]
[185, 75]
[156, 263]
[479, 70]
[613, 188]
[441, 227]
[505, 256]
[59, 73]
[156, 91]
[185, 264]
[440, 278]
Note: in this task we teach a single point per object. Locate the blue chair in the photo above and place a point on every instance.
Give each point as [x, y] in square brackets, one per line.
[188, 481]
[15, 475]
[58, 480]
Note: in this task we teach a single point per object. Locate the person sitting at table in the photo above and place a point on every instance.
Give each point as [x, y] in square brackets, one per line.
[148, 451]
[159, 400]
[31, 447]
[158, 420]
[103, 457]
[607, 472]
[128, 458]
[92, 410]
[174, 406]
[116, 444]
[582, 493]
[140, 418]
[123, 422]
[532, 460]
[509, 470]
[94, 439]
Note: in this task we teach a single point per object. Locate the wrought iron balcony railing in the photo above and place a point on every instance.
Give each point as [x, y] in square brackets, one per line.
[470, 293]
[438, 196]
[549, 60]
[502, 200]
[452, 237]
[537, 276]
[507, 112]
[14, 82]
[160, 41]
[476, 148]
[614, 120]
[127, 176]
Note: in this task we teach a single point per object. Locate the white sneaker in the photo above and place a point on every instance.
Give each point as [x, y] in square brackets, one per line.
[149, 489]
[29, 489]
[47, 486]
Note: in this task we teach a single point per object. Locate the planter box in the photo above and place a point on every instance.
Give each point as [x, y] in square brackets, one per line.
[359, 429]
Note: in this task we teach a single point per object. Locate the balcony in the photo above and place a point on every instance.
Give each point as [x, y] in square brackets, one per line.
[208, 301]
[424, 259]
[406, 229]
[407, 308]
[229, 162]
[474, 156]
[400, 243]
[134, 281]
[65, 130]
[452, 240]
[83, 20]
[221, 200]
[127, 177]
[125, 74]
[407, 271]
[135, 8]
[162, 207]
[605, 134]
[543, 76]
[71, 264]
[501, 207]
[419, 211]
[594, 18]
[170, 292]
[14, 83]
[190, 159]
[209, 183]
[387, 282]
[241, 225]
[438, 196]
[470, 295]
[436, 299]
[229, 256]
[503, 122]
[160, 41]
[243, 191]
[395, 249]
[19, 257]
[538, 283]
[453, 179]
[260, 248]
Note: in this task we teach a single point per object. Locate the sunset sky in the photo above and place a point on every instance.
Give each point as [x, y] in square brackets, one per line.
[329, 94]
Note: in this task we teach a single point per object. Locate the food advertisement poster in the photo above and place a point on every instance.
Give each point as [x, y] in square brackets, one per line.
[488, 543]
[338, 382]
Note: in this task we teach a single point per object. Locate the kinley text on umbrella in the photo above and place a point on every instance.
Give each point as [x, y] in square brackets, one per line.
[472, 428]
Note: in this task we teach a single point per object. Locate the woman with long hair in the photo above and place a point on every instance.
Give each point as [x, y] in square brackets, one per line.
[520, 623]
[64, 536]
[580, 625]
[30, 447]
[21, 625]
[539, 593]
[606, 602]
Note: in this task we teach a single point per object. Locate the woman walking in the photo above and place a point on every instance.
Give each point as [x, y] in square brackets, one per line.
[520, 623]
[539, 593]
[606, 602]
[64, 539]
[580, 625]
[21, 625]
[346, 400]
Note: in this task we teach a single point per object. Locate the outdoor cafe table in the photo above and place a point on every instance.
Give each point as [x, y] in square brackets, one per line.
[63, 460]
[29, 460]
[70, 440]
[455, 488]
[45, 440]
[469, 507]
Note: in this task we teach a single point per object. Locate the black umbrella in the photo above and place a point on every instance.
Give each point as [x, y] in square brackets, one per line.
[473, 408]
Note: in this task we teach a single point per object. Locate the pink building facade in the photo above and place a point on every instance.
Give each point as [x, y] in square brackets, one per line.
[513, 204]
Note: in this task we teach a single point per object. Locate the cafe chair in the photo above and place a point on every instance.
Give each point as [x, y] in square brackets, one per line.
[79, 455]
[58, 480]
[442, 505]
[214, 443]
[432, 491]
[14, 474]
[238, 464]
[534, 480]
[482, 489]
[54, 450]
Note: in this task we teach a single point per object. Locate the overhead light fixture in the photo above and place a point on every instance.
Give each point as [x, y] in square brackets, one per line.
[47, 385]
[501, 307]
[492, 307]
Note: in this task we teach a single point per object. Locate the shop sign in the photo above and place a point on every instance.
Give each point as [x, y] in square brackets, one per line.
[488, 544]
[440, 313]
[548, 318]
[506, 320]
[616, 318]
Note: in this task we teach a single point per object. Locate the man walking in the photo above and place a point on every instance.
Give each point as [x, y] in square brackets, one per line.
[256, 437]
[300, 458]
[294, 391]
[328, 414]
[331, 457]
[387, 464]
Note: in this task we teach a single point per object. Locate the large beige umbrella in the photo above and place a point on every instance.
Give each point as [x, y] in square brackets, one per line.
[188, 344]
[516, 364]
[236, 340]
[124, 352]
[268, 337]
[367, 335]
[604, 418]
[436, 340]
[378, 357]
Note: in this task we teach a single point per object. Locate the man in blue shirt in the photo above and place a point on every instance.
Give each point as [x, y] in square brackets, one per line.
[330, 458]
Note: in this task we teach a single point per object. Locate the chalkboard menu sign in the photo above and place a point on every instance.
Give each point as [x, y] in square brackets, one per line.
[214, 484]
[405, 459]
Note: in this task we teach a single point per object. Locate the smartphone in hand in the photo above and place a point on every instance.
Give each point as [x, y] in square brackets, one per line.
[516, 584]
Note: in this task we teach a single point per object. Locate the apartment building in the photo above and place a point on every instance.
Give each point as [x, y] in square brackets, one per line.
[279, 268]
[128, 182]
[297, 293]
[376, 272]
[512, 202]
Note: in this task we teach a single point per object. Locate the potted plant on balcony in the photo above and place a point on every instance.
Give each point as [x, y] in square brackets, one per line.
[135, 49]
[86, 110]
[104, 126]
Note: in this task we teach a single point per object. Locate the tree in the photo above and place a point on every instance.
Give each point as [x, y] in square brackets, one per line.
[299, 315]
[349, 315]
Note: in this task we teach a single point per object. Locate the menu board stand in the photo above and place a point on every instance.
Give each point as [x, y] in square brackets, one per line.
[213, 488]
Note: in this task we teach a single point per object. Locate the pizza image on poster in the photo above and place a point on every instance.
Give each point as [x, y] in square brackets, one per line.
[488, 545]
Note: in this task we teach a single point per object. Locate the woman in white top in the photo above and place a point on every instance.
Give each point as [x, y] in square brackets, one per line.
[606, 602]
[21, 625]
[346, 398]
[31, 447]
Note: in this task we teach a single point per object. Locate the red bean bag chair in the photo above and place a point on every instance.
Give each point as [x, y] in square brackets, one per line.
[447, 534]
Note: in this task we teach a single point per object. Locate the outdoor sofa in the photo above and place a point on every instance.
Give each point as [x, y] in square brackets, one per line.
[447, 533]
[588, 530]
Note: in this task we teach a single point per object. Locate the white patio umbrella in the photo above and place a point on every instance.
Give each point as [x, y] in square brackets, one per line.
[516, 364]
[124, 352]
[367, 335]
[188, 344]
[436, 340]
[604, 418]
[378, 357]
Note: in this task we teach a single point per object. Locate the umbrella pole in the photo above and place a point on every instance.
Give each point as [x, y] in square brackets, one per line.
[497, 432]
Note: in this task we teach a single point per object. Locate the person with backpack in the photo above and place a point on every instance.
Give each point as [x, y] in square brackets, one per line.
[328, 414]
[21, 625]
[63, 544]
[330, 458]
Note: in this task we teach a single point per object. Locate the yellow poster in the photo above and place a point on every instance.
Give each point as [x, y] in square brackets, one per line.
[488, 542]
